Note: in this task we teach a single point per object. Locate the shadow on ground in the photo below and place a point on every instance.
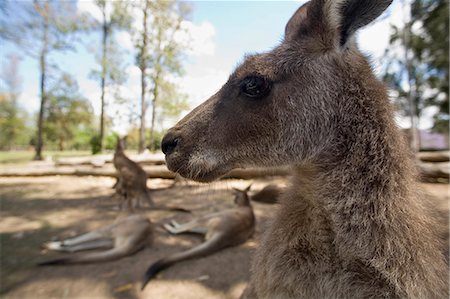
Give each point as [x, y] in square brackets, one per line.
[35, 210]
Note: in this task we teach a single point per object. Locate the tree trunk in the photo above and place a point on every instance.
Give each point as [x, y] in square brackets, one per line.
[43, 69]
[143, 68]
[440, 156]
[415, 146]
[434, 171]
[157, 74]
[152, 128]
[103, 79]
[155, 171]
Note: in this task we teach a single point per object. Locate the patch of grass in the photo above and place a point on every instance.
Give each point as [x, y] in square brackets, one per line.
[7, 157]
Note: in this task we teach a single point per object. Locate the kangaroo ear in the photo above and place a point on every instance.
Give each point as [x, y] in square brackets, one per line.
[354, 14]
[333, 22]
[297, 22]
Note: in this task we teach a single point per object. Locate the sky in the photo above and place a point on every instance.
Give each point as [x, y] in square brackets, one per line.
[222, 33]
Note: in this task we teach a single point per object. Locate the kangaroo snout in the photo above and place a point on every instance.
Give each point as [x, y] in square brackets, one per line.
[169, 143]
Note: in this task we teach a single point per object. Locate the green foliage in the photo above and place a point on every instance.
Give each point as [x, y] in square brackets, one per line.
[171, 102]
[39, 28]
[111, 140]
[15, 132]
[26, 28]
[427, 42]
[111, 73]
[160, 56]
[157, 138]
[67, 114]
[95, 145]
[82, 138]
[119, 16]
[13, 127]
[42, 28]
[112, 66]
[133, 139]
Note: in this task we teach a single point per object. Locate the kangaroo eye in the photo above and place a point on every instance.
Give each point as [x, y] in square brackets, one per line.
[255, 87]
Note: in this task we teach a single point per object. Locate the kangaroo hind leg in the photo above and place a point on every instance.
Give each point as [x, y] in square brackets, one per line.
[94, 244]
[191, 227]
[65, 245]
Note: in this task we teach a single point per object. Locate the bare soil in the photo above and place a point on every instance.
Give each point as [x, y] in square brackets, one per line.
[36, 210]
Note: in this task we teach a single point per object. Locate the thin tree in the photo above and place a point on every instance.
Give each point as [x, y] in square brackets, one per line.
[14, 131]
[40, 28]
[410, 74]
[67, 112]
[166, 51]
[115, 16]
[142, 62]
[420, 72]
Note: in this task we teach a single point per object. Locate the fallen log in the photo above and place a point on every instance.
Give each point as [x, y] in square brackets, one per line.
[96, 161]
[434, 170]
[55, 171]
[427, 170]
[440, 156]
[154, 171]
[101, 160]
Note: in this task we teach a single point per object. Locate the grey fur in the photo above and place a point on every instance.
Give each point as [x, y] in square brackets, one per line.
[354, 223]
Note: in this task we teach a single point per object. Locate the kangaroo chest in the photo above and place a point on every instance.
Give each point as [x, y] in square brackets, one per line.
[298, 259]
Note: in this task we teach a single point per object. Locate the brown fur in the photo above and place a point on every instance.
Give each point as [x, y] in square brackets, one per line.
[353, 224]
[131, 183]
[126, 236]
[221, 230]
[270, 194]
[132, 180]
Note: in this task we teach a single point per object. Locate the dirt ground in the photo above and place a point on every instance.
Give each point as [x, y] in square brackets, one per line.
[35, 210]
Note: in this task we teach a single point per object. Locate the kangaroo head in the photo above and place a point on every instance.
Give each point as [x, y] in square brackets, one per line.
[241, 196]
[284, 106]
[120, 144]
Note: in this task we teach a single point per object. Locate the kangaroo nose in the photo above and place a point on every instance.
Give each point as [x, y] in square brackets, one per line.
[169, 143]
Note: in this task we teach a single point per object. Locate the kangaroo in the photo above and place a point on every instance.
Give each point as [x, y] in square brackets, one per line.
[132, 182]
[222, 229]
[268, 195]
[353, 223]
[132, 179]
[126, 236]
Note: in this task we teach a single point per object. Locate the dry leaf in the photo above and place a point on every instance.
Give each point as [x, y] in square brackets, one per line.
[123, 288]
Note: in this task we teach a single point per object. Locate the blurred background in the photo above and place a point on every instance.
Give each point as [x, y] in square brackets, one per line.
[75, 75]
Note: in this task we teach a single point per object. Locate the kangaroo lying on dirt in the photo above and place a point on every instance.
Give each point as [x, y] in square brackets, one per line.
[132, 182]
[126, 236]
[222, 229]
[353, 224]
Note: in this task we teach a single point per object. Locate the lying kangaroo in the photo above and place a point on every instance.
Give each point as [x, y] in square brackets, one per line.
[353, 224]
[223, 229]
[126, 236]
[132, 182]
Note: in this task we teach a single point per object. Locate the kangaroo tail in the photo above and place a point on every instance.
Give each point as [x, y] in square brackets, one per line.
[210, 246]
[170, 208]
[148, 197]
[94, 257]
